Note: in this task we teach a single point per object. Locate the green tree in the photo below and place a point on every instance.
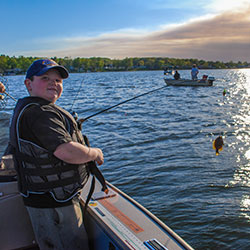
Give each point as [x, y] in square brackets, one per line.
[141, 63]
[128, 63]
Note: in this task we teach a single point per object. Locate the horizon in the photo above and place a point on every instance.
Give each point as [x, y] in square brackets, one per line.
[145, 57]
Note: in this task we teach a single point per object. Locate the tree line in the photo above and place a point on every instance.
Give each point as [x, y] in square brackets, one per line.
[19, 65]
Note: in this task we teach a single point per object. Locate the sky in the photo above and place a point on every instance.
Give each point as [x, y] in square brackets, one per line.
[213, 30]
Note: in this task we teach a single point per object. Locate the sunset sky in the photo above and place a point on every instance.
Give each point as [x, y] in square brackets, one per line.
[209, 30]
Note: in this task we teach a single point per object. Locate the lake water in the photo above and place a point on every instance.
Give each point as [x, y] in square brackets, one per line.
[158, 148]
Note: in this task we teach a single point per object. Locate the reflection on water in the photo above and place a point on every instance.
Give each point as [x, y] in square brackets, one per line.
[240, 93]
[245, 206]
[244, 75]
[247, 154]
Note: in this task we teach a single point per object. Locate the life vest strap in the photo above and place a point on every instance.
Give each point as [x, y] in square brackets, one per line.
[38, 161]
[52, 184]
[47, 171]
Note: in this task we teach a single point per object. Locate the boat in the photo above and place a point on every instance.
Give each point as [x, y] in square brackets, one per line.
[113, 220]
[204, 82]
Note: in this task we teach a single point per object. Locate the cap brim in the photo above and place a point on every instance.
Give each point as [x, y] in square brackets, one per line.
[63, 71]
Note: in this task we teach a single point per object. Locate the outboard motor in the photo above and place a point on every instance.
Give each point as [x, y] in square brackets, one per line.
[211, 80]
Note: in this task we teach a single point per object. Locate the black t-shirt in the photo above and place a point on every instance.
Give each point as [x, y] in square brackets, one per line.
[46, 127]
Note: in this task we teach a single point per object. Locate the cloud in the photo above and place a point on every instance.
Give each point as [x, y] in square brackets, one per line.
[219, 6]
[222, 37]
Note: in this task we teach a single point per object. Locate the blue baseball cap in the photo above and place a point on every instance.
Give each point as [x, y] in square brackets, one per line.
[41, 66]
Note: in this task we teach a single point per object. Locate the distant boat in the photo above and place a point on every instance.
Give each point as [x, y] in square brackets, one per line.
[192, 83]
[114, 221]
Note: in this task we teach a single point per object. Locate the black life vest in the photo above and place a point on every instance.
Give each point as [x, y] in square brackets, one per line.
[39, 171]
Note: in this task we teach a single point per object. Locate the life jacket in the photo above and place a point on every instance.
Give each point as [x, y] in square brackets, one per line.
[39, 171]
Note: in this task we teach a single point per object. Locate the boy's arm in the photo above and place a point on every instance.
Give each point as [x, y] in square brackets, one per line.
[76, 153]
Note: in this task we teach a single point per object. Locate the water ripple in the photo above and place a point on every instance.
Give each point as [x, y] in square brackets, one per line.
[158, 148]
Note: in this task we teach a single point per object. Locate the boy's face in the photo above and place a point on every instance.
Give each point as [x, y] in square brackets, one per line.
[48, 86]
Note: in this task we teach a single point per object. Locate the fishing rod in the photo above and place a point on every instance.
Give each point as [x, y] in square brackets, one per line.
[81, 120]
[9, 96]
[3, 91]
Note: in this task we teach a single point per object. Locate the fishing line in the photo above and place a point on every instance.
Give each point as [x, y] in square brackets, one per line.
[104, 110]
[73, 103]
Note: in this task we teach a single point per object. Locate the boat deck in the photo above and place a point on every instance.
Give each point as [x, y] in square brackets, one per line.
[128, 222]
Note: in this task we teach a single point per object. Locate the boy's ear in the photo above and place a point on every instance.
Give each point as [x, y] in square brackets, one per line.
[27, 83]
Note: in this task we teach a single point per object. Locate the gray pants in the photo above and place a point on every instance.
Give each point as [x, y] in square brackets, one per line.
[59, 228]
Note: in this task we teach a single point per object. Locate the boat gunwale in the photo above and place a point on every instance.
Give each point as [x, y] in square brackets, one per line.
[152, 217]
[187, 82]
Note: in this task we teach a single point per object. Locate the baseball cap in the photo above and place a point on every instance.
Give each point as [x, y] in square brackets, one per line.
[41, 66]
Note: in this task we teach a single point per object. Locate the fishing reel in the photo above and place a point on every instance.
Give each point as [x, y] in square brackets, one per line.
[75, 115]
[78, 121]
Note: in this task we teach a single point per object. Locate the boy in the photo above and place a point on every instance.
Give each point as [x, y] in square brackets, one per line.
[50, 159]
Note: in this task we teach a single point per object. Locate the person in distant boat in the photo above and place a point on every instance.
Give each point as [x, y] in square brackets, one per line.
[176, 75]
[194, 72]
[51, 159]
[204, 79]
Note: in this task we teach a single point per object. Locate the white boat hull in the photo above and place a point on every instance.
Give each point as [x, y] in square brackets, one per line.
[187, 82]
